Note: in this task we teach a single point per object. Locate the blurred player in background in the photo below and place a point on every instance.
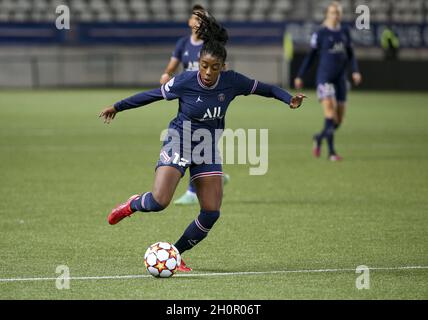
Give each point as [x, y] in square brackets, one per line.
[187, 53]
[332, 42]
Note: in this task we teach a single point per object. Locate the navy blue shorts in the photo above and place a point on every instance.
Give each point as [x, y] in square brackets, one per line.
[176, 154]
[335, 89]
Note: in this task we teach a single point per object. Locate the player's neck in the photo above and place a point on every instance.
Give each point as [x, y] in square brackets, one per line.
[195, 40]
[332, 25]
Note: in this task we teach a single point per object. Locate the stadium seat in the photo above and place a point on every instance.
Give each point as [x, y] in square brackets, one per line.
[237, 10]
[241, 5]
[220, 7]
[138, 6]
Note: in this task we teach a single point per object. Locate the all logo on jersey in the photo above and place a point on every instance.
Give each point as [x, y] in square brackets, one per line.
[338, 47]
[193, 66]
[213, 115]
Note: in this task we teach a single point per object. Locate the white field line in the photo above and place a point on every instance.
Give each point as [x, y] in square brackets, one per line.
[215, 274]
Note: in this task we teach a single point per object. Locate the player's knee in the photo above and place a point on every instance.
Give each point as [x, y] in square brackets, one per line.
[212, 205]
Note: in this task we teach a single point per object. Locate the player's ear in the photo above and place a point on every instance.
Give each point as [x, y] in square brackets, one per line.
[224, 67]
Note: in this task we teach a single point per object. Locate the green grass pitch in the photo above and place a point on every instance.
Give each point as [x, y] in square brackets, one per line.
[62, 170]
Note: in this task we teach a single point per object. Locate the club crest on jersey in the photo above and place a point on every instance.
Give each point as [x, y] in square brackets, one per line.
[212, 115]
[221, 97]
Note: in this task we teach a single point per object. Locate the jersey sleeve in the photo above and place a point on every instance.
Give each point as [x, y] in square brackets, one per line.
[350, 51]
[179, 48]
[173, 89]
[310, 56]
[139, 100]
[315, 40]
[243, 85]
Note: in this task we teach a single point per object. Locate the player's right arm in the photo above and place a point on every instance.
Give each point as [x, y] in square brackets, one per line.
[135, 101]
[171, 68]
[307, 62]
[174, 62]
[168, 91]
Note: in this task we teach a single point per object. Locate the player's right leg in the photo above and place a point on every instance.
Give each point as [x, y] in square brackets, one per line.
[327, 96]
[166, 181]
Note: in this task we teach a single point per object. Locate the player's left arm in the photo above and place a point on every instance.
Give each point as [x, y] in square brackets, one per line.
[246, 86]
[356, 75]
[271, 91]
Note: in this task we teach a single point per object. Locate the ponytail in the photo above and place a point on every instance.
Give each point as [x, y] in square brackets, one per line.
[213, 34]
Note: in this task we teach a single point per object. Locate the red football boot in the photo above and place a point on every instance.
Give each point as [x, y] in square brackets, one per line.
[183, 268]
[121, 211]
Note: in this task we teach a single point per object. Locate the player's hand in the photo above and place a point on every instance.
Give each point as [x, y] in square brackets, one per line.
[298, 83]
[357, 78]
[297, 100]
[108, 114]
[164, 78]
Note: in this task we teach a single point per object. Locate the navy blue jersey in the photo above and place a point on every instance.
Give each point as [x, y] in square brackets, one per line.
[335, 51]
[205, 106]
[200, 107]
[187, 52]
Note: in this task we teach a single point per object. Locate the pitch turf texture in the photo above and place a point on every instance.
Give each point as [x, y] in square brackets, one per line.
[62, 170]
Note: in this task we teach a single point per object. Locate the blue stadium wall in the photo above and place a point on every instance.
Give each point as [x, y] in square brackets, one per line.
[385, 75]
[241, 33]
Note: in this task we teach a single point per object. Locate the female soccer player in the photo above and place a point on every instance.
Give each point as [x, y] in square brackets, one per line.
[187, 52]
[204, 97]
[333, 44]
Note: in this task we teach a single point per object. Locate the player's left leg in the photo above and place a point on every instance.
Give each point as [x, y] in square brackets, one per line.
[209, 188]
[340, 114]
[340, 92]
[190, 196]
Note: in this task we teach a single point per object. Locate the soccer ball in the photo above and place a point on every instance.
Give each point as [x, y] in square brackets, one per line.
[162, 259]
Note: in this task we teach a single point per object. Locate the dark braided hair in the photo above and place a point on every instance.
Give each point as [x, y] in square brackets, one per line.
[213, 34]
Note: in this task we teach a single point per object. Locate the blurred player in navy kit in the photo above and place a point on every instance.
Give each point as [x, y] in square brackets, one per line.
[204, 97]
[332, 42]
[187, 53]
[186, 50]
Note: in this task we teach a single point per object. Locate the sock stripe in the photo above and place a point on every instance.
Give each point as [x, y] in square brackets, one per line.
[201, 227]
[192, 242]
[143, 197]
